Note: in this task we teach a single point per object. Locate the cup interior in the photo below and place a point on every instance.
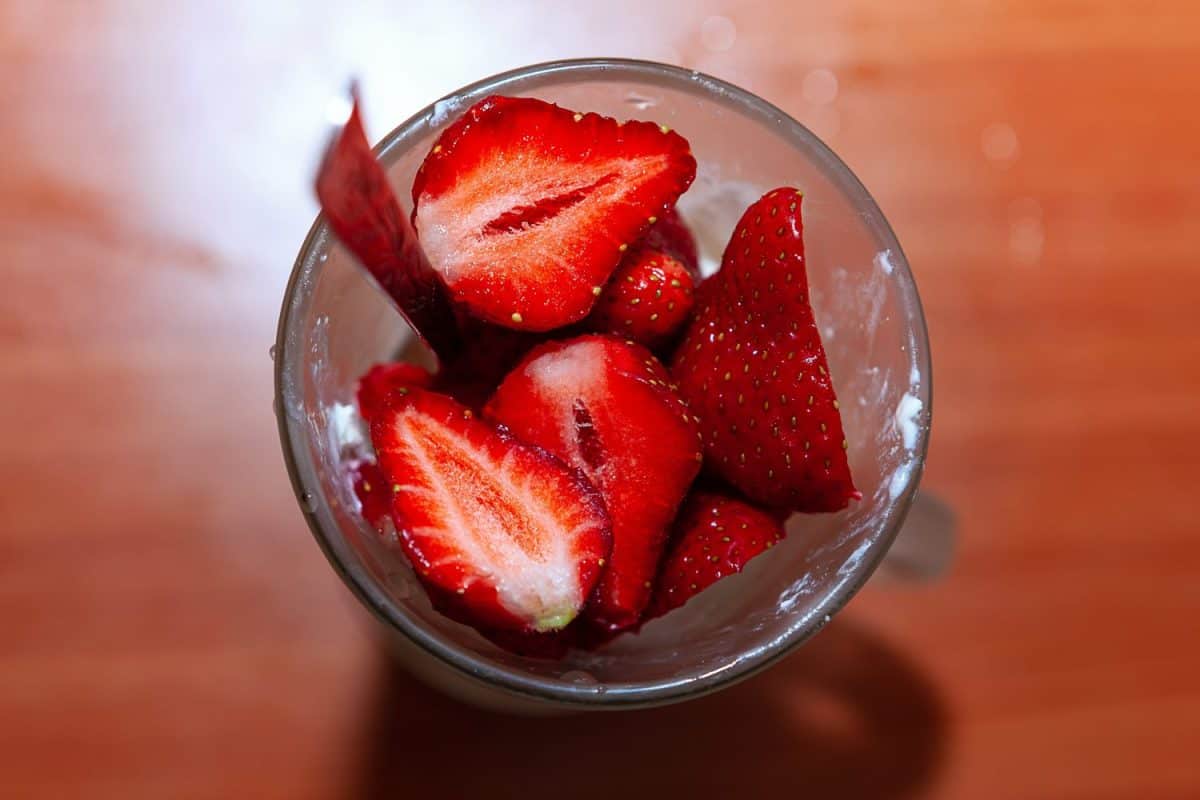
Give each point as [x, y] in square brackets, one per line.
[335, 324]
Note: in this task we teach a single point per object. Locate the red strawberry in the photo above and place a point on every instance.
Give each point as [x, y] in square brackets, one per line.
[752, 367]
[670, 234]
[647, 300]
[548, 646]
[373, 492]
[492, 352]
[363, 211]
[509, 534]
[524, 208]
[714, 536]
[381, 381]
[607, 407]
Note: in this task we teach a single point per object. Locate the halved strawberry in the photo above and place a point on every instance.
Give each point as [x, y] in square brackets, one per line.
[364, 213]
[380, 382]
[714, 536]
[647, 300]
[524, 208]
[752, 367]
[606, 406]
[508, 533]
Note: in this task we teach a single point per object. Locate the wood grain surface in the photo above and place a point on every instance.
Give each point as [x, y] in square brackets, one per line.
[168, 627]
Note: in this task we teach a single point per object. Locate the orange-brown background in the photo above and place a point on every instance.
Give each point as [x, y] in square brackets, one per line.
[169, 629]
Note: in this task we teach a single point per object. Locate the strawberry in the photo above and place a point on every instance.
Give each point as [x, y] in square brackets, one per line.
[606, 406]
[504, 532]
[373, 492]
[474, 375]
[752, 367]
[714, 536]
[670, 234]
[647, 300]
[525, 208]
[550, 646]
[364, 213]
[381, 381]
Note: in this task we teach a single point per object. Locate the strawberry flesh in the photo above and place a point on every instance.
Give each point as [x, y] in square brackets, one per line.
[375, 389]
[752, 367]
[525, 208]
[503, 532]
[715, 536]
[647, 300]
[363, 211]
[606, 406]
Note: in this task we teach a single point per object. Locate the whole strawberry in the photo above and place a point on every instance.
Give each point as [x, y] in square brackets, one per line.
[751, 366]
[648, 298]
[671, 235]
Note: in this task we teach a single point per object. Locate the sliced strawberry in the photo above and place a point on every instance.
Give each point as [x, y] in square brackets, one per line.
[607, 407]
[671, 235]
[380, 382]
[509, 533]
[714, 536]
[752, 367]
[364, 213]
[524, 208]
[375, 389]
[647, 300]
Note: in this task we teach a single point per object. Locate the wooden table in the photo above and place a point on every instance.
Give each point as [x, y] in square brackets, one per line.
[168, 627]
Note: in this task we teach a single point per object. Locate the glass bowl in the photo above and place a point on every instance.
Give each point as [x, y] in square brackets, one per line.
[335, 323]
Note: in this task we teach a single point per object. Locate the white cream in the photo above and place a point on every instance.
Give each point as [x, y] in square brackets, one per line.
[346, 427]
[907, 412]
[900, 479]
[443, 110]
[883, 260]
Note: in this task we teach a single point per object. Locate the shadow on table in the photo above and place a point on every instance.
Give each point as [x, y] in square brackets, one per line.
[845, 717]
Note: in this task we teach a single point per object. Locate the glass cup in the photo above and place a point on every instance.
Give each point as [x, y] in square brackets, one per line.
[335, 323]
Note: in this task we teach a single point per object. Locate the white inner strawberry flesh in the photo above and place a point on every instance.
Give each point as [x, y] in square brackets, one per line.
[459, 229]
[570, 377]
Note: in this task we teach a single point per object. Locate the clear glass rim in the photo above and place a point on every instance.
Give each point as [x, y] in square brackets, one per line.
[737, 668]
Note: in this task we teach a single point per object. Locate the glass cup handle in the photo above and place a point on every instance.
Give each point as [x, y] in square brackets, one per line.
[924, 549]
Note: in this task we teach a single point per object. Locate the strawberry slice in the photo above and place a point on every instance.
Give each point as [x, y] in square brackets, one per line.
[607, 407]
[715, 536]
[509, 534]
[752, 367]
[647, 300]
[524, 208]
[364, 213]
[378, 384]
